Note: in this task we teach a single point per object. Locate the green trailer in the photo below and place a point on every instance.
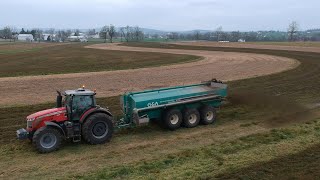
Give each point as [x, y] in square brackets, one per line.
[174, 106]
[78, 117]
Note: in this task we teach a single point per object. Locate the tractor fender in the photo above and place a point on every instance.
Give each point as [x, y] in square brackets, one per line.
[93, 111]
[55, 125]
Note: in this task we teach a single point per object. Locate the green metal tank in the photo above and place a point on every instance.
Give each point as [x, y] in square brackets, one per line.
[141, 107]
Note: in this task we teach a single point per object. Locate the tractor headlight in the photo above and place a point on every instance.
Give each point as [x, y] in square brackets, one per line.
[29, 122]
[31, 119]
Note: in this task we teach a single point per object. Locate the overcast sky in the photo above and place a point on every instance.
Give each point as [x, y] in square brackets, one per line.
[168, 15]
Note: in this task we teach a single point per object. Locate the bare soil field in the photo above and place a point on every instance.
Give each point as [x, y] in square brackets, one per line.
[275, 46]
[221, 65]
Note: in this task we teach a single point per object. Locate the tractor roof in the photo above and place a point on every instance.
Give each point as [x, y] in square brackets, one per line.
[80, 91]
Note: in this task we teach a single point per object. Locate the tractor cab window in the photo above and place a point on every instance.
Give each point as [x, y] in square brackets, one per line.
[67, 100]
[80, 104]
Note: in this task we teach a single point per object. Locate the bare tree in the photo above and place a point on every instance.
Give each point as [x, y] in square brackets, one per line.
[138, 34]
[7, 33]
[235, 36]
[39, 36]
[62, 35]
[196, 34]
[111, 32]
[104, 33]
[218, 33]
[91, 32]
[121, 32]
[292, 31]
[126, 33]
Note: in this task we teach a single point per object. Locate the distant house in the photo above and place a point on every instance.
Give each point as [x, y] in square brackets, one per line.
[49, 37]
[25, 37]
[78, 39]
[95, 36]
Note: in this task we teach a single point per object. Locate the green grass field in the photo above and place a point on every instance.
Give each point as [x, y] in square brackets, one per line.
[264, 132]
[46, 58]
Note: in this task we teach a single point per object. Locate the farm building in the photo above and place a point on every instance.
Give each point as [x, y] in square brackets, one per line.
[49, 37]
[78, 39]
[25, 37]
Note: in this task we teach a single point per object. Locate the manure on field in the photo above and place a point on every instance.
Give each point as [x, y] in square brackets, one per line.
[278, 110]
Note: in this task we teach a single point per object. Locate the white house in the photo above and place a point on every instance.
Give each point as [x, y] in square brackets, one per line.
[25, 37]
[46, 37]
[78, 38]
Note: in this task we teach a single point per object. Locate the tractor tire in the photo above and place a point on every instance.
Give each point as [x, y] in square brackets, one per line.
[172, 119]
[47, 139]
[97, 129]
[208, 115]
[191, 118]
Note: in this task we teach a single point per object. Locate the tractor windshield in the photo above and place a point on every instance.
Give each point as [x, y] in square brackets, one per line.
[67, 100]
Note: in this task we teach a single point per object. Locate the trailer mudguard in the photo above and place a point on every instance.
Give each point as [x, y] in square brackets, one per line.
[94, 110]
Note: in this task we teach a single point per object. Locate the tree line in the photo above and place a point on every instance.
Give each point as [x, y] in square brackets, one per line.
[134, 33]
[126, 34]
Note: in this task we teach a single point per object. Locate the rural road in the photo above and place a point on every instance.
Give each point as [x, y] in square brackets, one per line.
[225, 66]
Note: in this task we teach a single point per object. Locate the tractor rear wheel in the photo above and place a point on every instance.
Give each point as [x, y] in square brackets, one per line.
[191, 118]
[47, 139]
[208, 115]
[97, 129]
[172, 119]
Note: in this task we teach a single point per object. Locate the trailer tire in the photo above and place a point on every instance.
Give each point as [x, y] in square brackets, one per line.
[97, 128]
[191, 118]
[47, 139]
[172, 119]
[208, 115]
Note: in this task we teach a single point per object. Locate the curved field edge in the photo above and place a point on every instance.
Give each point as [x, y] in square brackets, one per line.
[74, 58]
[256, 109]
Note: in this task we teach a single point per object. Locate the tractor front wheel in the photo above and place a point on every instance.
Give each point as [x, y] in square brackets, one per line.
[47, 139]
[97, 129]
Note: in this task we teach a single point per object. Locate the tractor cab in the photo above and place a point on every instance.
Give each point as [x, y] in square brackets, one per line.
[77, 102]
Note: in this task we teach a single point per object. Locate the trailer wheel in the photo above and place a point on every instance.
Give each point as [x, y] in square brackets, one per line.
[97, 129]
[208, 115]
[47, 139]
[172, 119]
[191, 118]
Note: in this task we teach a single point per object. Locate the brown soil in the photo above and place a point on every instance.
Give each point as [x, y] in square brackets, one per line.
[225, 66]
[247, 45]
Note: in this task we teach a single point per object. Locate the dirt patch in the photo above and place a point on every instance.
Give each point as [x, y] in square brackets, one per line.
[221, 65]
[248, 45]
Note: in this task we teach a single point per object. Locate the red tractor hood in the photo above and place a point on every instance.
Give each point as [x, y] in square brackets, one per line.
[47, 112]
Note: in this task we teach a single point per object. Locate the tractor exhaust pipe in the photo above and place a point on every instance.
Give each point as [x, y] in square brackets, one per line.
[59, 99]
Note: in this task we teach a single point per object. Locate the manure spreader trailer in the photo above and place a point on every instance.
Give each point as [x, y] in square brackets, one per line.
[77, 116]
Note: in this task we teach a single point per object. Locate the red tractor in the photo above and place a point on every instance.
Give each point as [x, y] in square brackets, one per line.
[75, 117]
